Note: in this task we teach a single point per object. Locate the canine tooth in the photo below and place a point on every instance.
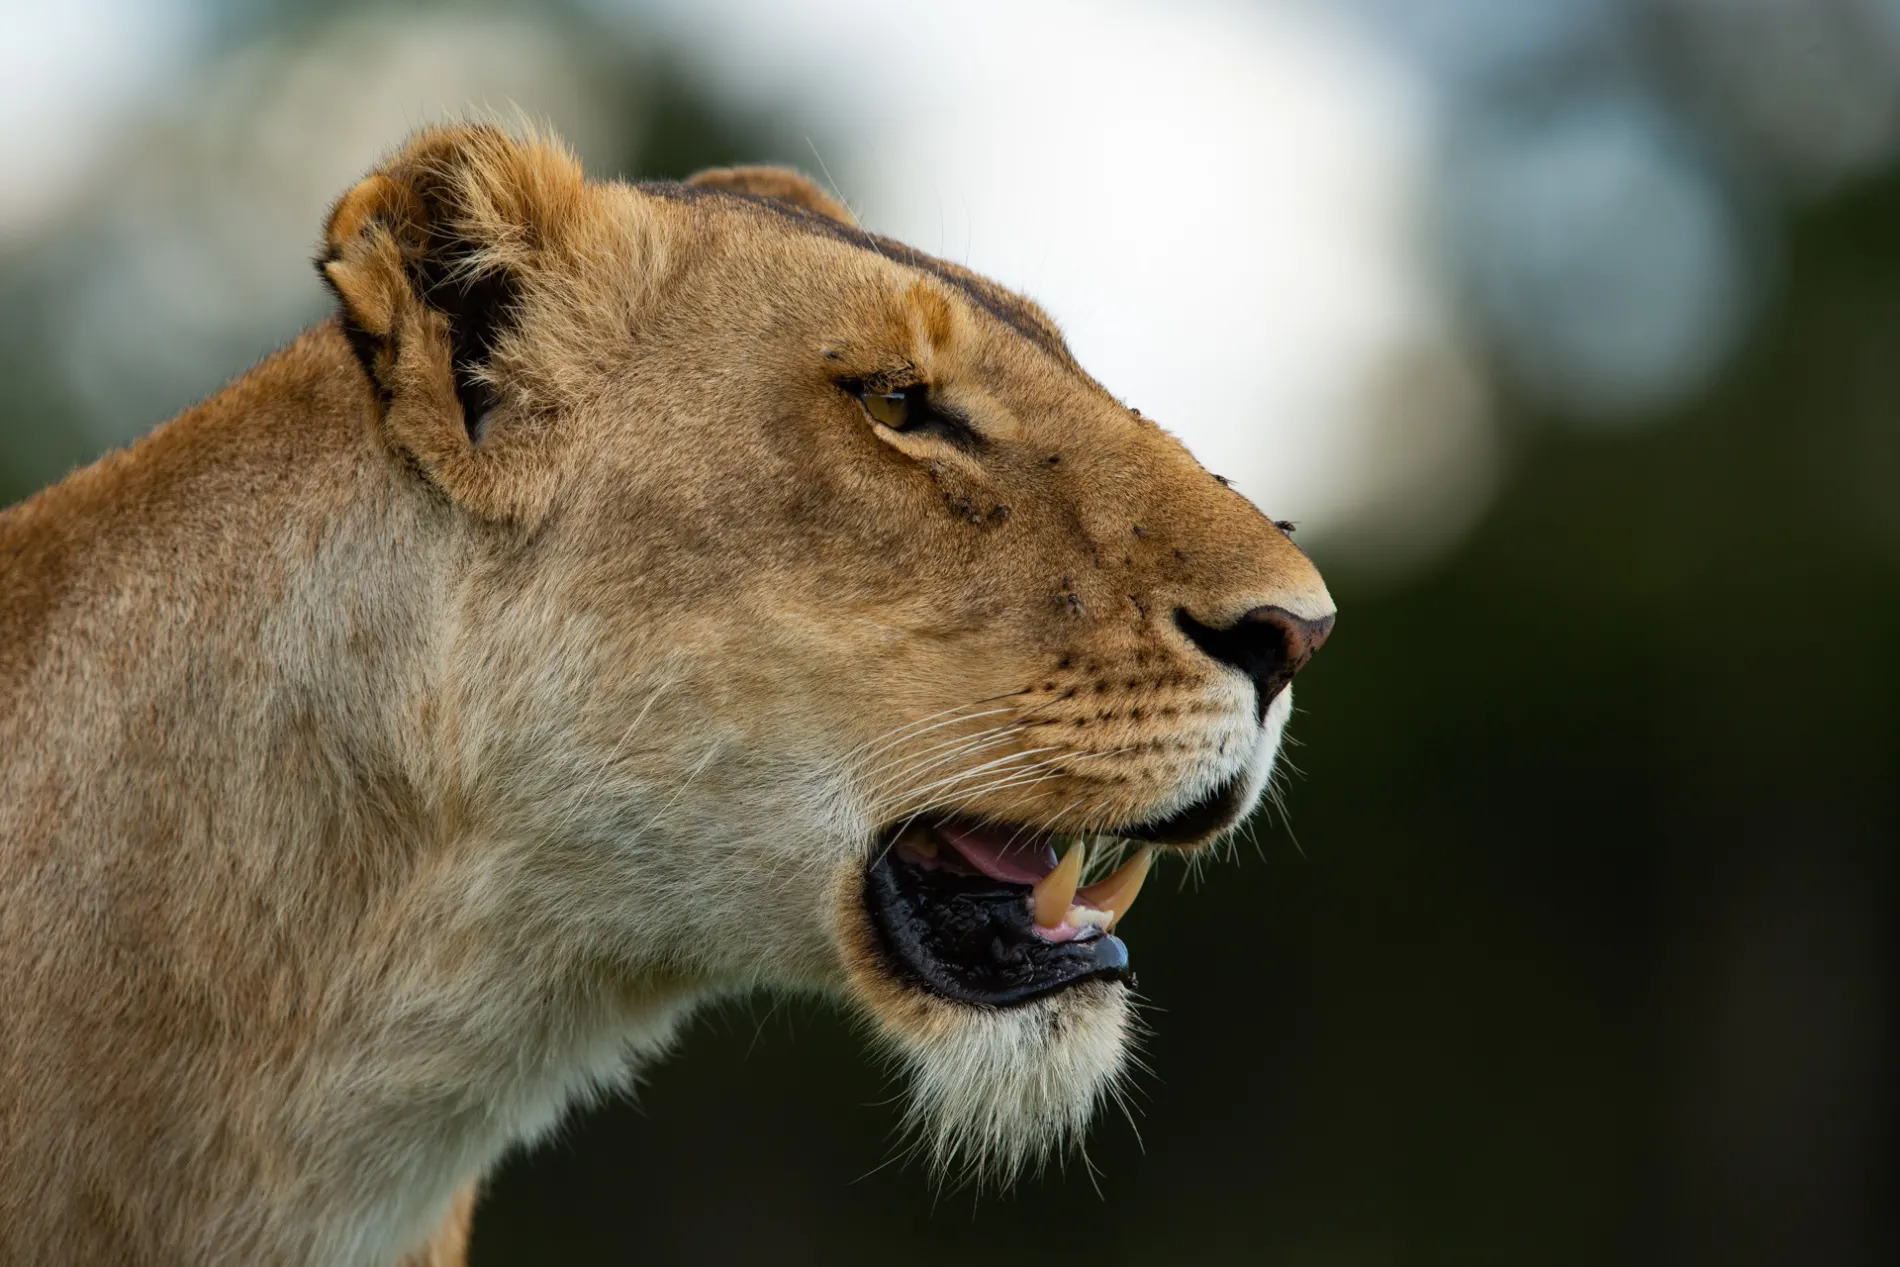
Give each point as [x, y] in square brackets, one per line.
[1116, 893]
[920, 840]
[1054, 893]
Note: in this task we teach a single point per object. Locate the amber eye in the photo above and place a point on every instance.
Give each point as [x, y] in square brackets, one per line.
[893, 409]
[912, 412]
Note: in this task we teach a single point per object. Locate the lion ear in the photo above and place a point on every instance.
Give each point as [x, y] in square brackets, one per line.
[428, 257]
[781, 183]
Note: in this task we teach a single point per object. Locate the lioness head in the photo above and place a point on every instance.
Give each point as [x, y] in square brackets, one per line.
[831, 626]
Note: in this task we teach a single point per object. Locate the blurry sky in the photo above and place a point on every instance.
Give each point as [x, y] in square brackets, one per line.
[1287, 229]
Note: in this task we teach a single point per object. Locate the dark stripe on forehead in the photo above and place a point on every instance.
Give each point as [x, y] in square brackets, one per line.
[979, 290]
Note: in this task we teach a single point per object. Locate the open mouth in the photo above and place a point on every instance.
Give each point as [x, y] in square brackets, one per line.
[997, 915]
[988, 915]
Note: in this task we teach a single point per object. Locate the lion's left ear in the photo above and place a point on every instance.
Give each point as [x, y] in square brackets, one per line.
[781, 183]
[429, 257]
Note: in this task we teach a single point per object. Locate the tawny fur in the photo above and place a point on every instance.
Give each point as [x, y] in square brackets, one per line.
[370, 794]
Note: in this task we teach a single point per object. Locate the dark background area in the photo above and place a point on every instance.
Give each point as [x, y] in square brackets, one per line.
[1572, 945]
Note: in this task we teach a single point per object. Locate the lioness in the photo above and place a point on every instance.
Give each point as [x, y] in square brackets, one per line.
[636, 594]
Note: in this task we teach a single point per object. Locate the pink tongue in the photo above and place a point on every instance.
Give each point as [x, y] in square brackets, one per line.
[1024, 862]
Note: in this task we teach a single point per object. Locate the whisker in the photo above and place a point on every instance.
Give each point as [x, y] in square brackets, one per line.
[975, 770]
[910, 730]
[955, 749]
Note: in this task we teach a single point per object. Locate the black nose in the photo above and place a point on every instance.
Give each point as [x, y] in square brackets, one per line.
[1268, 644]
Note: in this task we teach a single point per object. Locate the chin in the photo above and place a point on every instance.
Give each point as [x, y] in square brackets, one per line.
[989, 958]
[993, 1091]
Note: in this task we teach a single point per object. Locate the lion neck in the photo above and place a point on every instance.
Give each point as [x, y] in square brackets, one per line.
[244, 854]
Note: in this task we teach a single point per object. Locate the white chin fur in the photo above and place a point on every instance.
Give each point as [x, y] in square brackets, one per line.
[995, 1092]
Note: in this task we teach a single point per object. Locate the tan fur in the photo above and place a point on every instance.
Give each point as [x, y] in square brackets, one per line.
[369, 796]
[775, 182]
[449, 1246]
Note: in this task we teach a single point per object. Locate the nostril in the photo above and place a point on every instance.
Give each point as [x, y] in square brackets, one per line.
[1268, 644]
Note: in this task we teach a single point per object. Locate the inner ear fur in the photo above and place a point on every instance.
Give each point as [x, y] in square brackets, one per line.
[781, 183]
[428, 257]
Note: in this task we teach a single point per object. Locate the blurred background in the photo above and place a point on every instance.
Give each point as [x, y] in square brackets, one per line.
[1568, 331]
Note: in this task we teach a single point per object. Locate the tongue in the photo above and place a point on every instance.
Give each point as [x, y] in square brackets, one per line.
[992, 853]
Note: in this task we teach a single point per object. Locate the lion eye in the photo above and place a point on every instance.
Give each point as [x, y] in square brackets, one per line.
[896, 410]
[911, 412]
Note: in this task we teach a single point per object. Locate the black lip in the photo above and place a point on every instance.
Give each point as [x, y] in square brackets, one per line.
[1191, 823]
[970, 938]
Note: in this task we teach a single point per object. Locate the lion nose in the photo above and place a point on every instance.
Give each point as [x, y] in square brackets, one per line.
[1268, 644]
